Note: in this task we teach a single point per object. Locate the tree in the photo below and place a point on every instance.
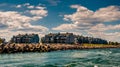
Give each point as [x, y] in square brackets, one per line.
[2, 40]
[116, 43]
[91, 40]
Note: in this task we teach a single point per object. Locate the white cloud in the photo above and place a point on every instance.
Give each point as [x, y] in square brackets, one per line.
[38, 12]
[108, 36]
[13, 22]
[75, 6]
[8, 34]
[28, 27]
[108, 14]
[39, 7]
[18, 6]
[26, 4]
[13, 19]
[100, 31]
[65, 26]
[84, 17]
[102, 27]
[21, 5]
[30, 7]
[91, 21]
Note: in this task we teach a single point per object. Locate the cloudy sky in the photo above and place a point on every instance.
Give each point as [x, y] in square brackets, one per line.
[84, 17]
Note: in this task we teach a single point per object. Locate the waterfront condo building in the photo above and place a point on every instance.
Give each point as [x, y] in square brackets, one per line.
[25, 38]
[67, 38]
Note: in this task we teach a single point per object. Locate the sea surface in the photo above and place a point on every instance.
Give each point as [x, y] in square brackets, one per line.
[68, 58]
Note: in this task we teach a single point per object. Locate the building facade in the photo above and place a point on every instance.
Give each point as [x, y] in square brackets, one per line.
[67, 38]
[25, 38]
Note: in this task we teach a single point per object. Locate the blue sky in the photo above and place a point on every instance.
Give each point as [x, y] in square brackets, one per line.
[84, 17]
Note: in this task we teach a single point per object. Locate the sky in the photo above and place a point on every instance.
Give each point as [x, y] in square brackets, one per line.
[98, 18]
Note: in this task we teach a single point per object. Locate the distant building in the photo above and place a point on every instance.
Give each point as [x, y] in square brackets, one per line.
[25, 38]
[91, 40]
[68, 38]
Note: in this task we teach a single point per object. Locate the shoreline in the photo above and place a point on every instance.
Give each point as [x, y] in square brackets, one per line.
[21, 48]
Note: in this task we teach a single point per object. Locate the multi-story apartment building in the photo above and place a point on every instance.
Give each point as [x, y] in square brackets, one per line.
[25, 38]
[68, 38]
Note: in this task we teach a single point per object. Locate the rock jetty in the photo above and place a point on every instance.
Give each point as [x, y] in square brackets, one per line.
[14, 48]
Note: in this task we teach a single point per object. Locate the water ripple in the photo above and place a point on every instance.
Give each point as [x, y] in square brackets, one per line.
[69, 58]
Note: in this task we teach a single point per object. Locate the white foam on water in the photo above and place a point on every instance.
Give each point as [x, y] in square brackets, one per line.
[95, 66]
[79, 55]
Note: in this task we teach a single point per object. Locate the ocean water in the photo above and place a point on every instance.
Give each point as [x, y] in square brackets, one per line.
[68, 58]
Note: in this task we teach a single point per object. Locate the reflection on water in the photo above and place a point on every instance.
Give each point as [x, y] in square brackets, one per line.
[69, 58]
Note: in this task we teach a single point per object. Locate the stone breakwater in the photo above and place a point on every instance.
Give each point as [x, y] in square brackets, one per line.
[14, 48]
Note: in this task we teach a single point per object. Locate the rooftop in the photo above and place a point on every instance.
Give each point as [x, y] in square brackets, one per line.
[30, 35]
[53, 34]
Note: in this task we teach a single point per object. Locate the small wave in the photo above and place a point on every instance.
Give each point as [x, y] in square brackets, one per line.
[73, 58]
